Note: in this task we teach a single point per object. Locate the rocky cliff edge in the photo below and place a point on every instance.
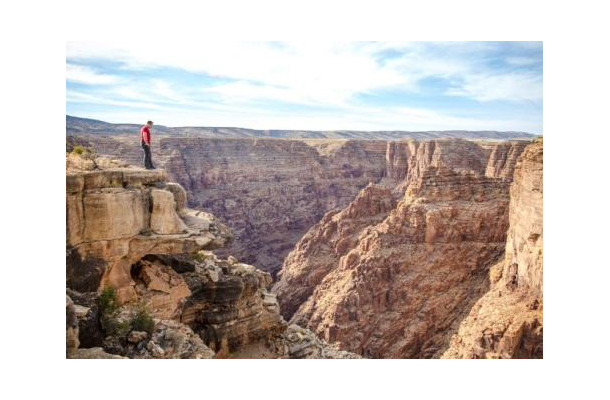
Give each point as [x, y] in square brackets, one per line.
[142, 282]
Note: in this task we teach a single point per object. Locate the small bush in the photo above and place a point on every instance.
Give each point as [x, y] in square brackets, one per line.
[109, 307]
[114, 327]
[108, 301]
[199, 257]
[80, 150]
[141, 320]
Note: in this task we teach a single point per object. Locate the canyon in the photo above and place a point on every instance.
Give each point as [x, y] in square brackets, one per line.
[271, 191]
[392, 279]
[266, 247]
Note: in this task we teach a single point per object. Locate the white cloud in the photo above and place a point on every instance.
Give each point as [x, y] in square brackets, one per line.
[324, 73]
[78, 97]
[331, 76]
[516, 86]
[353, 118]
[83, 74]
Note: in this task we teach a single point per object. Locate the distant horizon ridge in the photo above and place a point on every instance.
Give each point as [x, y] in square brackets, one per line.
[93, 120]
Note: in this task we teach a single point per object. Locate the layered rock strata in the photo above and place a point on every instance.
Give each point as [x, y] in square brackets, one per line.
[115, 217]
[507, 322]
[395, 281]
[129, 230]
[270, 192]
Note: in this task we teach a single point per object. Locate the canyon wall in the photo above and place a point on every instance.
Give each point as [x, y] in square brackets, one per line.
[394, 279]
[508, 321]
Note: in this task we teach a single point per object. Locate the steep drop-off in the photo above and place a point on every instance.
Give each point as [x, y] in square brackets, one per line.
[140, 285]
[507, 321]
[391, 282]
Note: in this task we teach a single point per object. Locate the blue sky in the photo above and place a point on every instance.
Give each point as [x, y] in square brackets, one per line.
[313, 86]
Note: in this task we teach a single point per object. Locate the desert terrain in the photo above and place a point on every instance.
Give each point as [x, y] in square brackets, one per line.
[303, 244]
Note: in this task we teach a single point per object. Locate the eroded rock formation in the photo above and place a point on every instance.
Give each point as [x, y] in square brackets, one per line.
[507, 321]
[117, 216]
[128, 232]
[391, 281]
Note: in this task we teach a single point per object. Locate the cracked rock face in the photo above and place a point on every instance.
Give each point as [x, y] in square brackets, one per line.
[394, 279]
[507, 321]
[115, 217]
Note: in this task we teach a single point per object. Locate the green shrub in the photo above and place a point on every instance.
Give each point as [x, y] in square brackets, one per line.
[199, 257]
[80, 150]
[109, 307]
[108, 302]
[141, 320]
[115, 327]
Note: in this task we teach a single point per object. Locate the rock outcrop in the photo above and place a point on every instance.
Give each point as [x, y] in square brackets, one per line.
[115, 217]
[139, 284]
[507, 321]
[395, 282]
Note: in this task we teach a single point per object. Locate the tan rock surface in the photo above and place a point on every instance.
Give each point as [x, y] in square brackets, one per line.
[507, 322]
[161, 288]
[117, 216]
[128, 229]
[402, 287]
[326, 242]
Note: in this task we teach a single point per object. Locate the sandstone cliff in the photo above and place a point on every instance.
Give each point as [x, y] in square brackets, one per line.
[140, 285]
[507, 321]
[395, 281]
[117, 216]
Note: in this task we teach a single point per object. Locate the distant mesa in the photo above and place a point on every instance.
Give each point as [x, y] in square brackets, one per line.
[77, 125]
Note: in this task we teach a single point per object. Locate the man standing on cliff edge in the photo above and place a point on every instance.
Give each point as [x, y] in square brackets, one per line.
[145, 142]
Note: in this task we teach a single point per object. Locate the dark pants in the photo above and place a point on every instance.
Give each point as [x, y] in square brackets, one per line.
[147, 157]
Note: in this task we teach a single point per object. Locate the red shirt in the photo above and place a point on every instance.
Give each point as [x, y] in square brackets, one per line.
[145, 135]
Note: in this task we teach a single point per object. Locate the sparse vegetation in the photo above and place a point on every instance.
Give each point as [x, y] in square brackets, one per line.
[80, 150]
[199, 256]
[141, 320]
[109, 306]
[108, 301]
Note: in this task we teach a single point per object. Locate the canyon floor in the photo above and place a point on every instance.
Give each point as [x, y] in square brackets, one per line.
[304, 248]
